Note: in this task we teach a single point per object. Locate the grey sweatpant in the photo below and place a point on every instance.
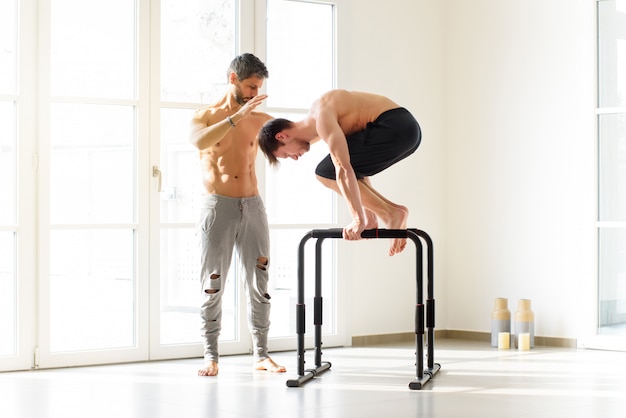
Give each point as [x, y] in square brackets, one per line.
[228, 223]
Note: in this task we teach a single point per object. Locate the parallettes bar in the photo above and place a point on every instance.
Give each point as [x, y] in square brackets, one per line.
[423, 374]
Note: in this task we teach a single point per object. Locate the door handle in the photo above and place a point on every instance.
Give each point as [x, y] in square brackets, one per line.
[156, 172]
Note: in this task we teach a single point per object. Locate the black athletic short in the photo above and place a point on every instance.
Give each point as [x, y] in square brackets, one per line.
[393, 136]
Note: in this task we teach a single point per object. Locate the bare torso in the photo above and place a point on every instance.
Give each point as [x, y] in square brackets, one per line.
[228, 167]
[354, 110]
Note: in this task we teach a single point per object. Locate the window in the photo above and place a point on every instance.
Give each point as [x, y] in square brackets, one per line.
[93, 175]
[301, 67]
[612, 166]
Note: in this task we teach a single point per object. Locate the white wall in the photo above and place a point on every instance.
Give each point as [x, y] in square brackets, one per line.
[520, 161]
[504, 180]
[394, 48]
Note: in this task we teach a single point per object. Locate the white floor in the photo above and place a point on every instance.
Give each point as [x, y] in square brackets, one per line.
[475, 381]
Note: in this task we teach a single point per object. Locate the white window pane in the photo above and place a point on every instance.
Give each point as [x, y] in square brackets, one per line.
[300, 53]
[93, 48]
[294, 195]
[180, 287]
[8, 295]
[8, 43]
[197, 44]
[612, 288]
[612, 166]
[612, 53]
[7, 163]
[181, 291]
[284, 282]
[92, 175]
[92, 290]
[180, 169]
[8, 204]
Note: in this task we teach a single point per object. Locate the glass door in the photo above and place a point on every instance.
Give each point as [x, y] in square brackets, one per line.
[611, 320]
[197, 42]
[17, 213]
[94, 235]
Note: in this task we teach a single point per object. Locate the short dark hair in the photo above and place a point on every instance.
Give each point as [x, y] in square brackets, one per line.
[247, 65]
[267, 137]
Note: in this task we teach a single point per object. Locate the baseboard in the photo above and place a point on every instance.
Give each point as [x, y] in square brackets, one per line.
[404, 337]
[367, 340]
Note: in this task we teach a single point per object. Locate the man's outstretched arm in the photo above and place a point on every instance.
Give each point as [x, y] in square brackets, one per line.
[329, 130]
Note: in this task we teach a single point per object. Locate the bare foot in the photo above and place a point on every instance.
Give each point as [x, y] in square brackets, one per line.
[211, 369]
[269, 365]
[398, 221]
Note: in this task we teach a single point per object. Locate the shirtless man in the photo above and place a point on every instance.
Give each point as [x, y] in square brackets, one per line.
[232, 212]
[366, 134]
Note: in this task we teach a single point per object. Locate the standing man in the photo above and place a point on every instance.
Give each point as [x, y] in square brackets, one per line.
[232, 212]
[366, 133]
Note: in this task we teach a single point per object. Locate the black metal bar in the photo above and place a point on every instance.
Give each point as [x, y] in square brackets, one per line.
[368, 233]
[419, 305]
[301, 308]
[430, 301]
[317, 303]
[422, 374]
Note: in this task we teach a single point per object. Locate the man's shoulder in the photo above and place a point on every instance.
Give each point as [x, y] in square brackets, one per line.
[333, 101]
[216, 108]
[206, 111]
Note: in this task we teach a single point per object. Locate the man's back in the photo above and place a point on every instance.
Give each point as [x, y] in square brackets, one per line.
[353, 110]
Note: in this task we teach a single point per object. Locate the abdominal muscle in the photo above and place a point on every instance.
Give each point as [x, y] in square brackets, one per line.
[230, 173]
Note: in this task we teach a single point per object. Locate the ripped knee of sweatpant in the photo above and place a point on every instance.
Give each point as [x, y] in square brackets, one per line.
[262, 263]
[212, 289]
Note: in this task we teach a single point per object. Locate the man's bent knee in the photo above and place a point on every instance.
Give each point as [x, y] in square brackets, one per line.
[211, 290]
[261, 263]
